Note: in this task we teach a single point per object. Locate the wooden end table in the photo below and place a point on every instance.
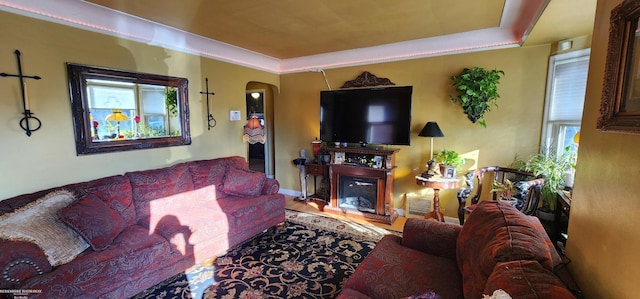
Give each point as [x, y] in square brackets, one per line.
[436, 183]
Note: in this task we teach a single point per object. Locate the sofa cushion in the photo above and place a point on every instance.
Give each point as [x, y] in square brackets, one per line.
[135, 255]
[115, 191]
[526, 279]
[243, 182]
[158, 184]
[19, 261]
[37, 222]
[351, 294]
[212, 172]
[94, 221]
[496, 232]
[432, 237]
[395, 271]
[179, 210]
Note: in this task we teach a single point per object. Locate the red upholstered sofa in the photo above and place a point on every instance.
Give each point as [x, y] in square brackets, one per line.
[140, 228]
[498, 248]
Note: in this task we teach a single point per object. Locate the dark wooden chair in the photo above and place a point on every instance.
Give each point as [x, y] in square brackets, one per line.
[528, 188]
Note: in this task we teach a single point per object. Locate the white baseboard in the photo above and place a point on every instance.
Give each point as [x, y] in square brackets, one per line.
[290, 192]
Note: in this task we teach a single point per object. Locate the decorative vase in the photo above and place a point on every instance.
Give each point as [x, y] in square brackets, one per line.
[316, 146]
[568, 178]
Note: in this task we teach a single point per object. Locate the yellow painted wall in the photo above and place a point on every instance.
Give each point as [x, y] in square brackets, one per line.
[513, 129]
[604, 238]
[48, 158]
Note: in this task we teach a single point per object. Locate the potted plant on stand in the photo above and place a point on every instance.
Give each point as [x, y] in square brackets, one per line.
[477, 91]
[449, 158]
[552, 168]
[505, 191]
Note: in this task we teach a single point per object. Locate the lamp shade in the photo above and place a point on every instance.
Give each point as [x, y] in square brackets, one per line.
[254, 131]
[254, 123]
[431, 129]
[117, 115]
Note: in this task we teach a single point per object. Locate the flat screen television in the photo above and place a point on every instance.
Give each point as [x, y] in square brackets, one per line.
[380, 115]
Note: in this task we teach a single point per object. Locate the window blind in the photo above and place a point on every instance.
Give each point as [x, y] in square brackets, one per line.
[569, 86]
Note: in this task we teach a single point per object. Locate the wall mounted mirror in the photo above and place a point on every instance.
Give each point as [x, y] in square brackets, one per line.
[116, 110]
[620, 107]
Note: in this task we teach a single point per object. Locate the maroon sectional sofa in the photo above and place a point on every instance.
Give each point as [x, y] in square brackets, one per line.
[142, 227]
[498, 248]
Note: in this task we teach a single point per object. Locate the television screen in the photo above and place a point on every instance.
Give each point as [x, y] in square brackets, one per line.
[380, 115]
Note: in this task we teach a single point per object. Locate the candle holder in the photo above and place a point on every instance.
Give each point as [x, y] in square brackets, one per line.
[25, 125]
[29, 123]
[209, 115]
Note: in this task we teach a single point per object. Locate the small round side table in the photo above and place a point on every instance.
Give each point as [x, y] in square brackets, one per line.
[436, 183]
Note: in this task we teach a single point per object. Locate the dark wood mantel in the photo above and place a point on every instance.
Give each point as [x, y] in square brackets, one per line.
[357, 162]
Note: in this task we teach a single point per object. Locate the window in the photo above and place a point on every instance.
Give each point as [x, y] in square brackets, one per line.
[566, 86]
[126, 110]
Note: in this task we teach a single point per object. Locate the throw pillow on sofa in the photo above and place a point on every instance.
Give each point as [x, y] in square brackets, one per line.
[38, 223]
[94, 221]
[243, 182]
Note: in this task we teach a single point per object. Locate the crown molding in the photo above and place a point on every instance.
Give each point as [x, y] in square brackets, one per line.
[519, 17]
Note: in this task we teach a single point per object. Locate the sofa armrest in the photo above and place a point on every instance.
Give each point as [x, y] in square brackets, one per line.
[19, 261]
[432, 237]
[270, 187]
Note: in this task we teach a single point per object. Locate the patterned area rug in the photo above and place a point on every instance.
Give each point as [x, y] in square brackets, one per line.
[311, 256]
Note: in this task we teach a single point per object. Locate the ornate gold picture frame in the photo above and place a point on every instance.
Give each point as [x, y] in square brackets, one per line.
[620, 106]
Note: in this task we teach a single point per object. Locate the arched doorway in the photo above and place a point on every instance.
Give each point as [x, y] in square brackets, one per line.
[259, 103]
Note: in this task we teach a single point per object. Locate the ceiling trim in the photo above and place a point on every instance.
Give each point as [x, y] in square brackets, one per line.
[518, 19]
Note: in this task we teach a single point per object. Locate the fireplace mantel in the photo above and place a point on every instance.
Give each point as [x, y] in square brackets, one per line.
[368, 164]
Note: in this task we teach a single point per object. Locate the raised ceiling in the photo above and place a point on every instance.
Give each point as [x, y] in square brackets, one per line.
[292, 28]
[292, 35]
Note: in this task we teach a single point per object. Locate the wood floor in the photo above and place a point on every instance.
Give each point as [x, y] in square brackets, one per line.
[312, 207]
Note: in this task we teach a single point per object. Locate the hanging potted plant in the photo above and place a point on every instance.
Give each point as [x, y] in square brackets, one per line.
[171, 100]
[477, 91]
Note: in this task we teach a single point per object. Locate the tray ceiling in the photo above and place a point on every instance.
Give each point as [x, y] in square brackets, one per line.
[284, 36]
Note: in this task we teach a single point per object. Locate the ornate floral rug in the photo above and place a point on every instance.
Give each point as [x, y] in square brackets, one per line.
[311, 256]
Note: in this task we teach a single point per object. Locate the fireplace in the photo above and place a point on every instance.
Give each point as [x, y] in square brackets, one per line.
[358, 193]
[361, 181]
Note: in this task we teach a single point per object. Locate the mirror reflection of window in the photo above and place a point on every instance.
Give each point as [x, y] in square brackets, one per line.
[154, 113]
[143, 108]
[117, 110]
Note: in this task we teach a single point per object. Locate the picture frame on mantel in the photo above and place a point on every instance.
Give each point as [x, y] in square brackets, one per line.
[338, 158]
[620, 105]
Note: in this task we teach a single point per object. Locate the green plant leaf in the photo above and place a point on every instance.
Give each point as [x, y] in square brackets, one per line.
[477, 91]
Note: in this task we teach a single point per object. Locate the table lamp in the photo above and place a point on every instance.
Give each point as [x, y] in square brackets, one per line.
[431, 129]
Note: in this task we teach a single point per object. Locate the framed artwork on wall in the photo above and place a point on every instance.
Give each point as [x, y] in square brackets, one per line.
[620, 104]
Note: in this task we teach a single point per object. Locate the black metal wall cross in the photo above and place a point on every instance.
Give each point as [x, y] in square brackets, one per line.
[209, 116]
[28, 116]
